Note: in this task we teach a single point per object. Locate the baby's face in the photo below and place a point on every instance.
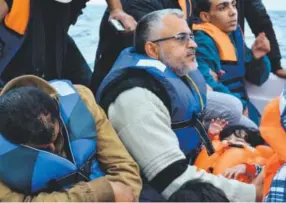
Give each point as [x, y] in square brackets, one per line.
[237, 138]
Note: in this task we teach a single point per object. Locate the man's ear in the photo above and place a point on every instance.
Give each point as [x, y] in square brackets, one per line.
[205, 17]
[152, 50]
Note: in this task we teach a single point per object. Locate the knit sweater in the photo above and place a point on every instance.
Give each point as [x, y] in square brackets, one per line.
[143, 123]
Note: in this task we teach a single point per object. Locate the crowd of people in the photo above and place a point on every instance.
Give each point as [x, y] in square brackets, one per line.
[164, 116]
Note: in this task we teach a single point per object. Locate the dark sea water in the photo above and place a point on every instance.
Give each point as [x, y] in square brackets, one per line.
[86, 31]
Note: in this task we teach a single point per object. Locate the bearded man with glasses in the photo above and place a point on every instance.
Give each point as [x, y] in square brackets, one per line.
[155, 98]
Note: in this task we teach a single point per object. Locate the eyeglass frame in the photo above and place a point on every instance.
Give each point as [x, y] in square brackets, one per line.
[177, 37]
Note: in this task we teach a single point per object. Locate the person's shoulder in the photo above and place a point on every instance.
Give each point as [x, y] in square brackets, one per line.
[206, 45]
[203, 38]
[84, 91]
[137, 95]
[87, 97]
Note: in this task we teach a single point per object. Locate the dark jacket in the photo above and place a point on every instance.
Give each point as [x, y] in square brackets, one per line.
[48, 51]
[259, 21]
[112, 43]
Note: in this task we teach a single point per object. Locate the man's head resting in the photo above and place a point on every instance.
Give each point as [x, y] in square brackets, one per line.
[221, 13]
[165, 35]
[29, 116]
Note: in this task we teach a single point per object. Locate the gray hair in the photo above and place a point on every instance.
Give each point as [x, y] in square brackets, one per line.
[151, 24]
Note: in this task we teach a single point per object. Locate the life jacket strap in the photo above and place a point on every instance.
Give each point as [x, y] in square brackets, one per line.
[204, 136]
[196, 122]
[233, 80]
[82, 174]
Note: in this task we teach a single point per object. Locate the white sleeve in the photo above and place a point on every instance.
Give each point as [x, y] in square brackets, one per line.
[144, 125]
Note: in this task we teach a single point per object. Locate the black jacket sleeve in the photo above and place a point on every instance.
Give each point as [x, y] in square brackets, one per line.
[259, 21]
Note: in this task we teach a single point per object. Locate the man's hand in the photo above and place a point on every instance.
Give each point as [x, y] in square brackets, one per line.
[261, 46]
[128, 21]
[217, 76]
[122, 192]
[233, 173]
[258, 182]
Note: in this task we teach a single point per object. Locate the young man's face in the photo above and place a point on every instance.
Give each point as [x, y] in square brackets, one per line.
[223, 14]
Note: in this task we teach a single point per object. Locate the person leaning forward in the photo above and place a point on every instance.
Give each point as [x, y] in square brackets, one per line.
[52, 130]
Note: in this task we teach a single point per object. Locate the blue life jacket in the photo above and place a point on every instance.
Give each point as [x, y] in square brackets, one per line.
[187, 100]
[232, 54]
[29, 170]
[235, 74]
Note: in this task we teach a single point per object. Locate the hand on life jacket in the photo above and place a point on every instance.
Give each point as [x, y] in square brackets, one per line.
[216, 126]
[242, 172]
[237, 172]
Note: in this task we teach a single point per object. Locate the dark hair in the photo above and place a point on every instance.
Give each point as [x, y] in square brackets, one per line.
[200, 6]
[147, 23]
[21, 116]
[47, 35]
[198, 191]
[253, 135]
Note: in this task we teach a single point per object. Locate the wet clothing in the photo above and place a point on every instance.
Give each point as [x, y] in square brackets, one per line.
[113, 158]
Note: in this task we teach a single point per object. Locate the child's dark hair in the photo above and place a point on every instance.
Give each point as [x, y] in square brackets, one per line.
[22, 111]
[198, 191]
[253, 136]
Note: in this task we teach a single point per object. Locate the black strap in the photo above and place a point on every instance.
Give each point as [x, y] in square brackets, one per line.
[196, 122]
[82, 174]
[233, 80]
[204, 136]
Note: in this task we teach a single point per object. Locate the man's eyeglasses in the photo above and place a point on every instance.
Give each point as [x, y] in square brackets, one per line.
[182, 37]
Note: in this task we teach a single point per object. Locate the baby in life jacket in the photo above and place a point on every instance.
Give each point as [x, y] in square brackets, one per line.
[240, 152]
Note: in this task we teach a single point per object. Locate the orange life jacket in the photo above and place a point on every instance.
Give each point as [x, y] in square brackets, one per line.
[275, 135]
[232, 58]
[18, 17]
[225, 46]
[227, 157]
